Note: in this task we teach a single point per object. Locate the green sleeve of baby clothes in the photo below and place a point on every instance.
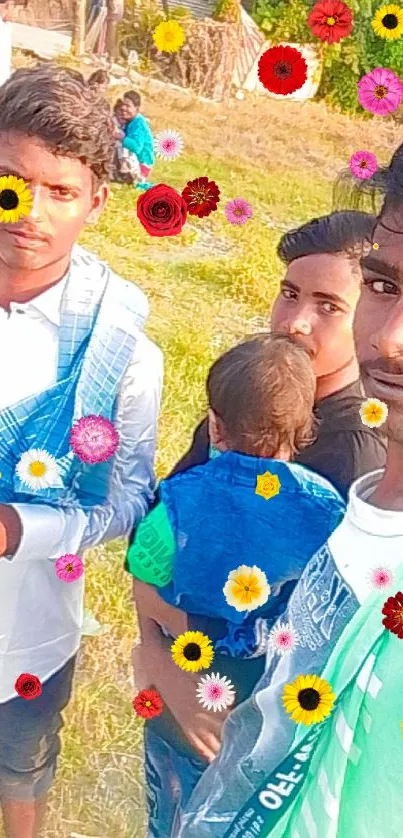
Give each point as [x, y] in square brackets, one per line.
[150, 557]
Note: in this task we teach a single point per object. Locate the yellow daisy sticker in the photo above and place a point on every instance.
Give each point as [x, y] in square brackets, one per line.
[267, 485]
[308, 699]
[192, 651]
[373, 413]
[16, 199]
[169, 36]
[246, 588]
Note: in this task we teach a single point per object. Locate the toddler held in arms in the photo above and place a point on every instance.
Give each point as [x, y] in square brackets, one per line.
[248, 506]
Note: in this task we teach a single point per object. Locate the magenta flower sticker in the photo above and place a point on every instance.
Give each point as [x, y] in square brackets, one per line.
[380, 91]
[363, 164]
[94, 439]
[238, 211]
[69, 568]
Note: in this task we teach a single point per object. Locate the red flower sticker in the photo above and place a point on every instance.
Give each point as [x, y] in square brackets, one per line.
[162, 211]
[28, 686]
[331, 20]
[393, 609]
[148, 703]
[201, 196]
[282, 70]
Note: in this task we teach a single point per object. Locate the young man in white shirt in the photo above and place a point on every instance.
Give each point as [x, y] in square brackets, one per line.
[71, 345]
[251, 778]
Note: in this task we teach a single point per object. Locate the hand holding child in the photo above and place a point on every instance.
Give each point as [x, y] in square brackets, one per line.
[201, 727]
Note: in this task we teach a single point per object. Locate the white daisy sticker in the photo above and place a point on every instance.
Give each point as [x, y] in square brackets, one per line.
[39, 470]
[215, 692]
[168, 144]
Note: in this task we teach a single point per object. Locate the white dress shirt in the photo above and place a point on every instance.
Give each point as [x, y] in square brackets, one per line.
[40, 615]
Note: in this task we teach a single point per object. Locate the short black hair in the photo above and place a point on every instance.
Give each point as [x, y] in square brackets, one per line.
[339, 232]
[58, 107]
[134, 97]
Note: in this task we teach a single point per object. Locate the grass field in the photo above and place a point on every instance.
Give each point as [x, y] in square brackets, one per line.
[207, 288]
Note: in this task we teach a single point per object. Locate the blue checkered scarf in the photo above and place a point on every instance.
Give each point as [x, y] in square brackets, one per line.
[99, 320]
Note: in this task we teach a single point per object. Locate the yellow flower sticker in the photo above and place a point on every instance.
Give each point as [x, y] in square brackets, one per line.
[373, 413]
[246, 588]
[16, 199]
[267, 485]
[169, 36]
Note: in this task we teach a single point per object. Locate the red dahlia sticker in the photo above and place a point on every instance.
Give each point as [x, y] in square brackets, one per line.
[148, 703]
[393, 610]
[282, 70]
[28, 686]
[331, 20]
[201, 196]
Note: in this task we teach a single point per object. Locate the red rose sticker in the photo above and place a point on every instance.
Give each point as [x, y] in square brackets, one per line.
[162, 211]
[28, 686]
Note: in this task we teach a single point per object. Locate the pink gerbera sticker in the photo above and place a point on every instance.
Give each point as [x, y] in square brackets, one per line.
[283, 638]
[168, 144]
[380, 578]
[238, 211]
[215, 692]
[69, 567]
[94, 439]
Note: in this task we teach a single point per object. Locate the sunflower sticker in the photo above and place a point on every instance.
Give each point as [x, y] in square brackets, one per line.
[192, 651]
[388, 22]
[16, 199]
[308, 699]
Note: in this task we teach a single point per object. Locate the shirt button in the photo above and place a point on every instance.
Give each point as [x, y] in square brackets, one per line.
[20, 311]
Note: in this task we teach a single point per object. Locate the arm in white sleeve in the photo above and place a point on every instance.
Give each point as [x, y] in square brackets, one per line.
[48, 532]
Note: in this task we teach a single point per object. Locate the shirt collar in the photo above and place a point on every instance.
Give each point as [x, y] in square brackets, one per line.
[48, 303]
[364, 516]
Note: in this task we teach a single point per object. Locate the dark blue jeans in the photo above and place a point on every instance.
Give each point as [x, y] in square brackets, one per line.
[170, 780]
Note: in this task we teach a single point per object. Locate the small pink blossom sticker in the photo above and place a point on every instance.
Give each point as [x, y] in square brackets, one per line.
[283, 638]
[69, 567]
[363, 164]
[238, 211]
[94, 439]
[380, 578]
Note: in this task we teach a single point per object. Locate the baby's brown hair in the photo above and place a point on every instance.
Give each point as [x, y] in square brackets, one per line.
[263, 391]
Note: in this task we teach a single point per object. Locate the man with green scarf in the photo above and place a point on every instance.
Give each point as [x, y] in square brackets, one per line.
[340, 776]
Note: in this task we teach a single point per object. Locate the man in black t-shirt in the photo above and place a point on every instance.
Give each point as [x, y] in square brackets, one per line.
[316, 304]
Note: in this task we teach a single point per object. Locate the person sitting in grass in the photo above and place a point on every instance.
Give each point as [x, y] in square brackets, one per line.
[138, 139]
[249, 513]
[316, 303]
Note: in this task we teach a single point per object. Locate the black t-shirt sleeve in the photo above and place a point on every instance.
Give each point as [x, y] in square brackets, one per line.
[198, 453]
[344, 456]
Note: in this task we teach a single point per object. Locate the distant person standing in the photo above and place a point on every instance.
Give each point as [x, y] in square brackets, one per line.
[5, 40]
